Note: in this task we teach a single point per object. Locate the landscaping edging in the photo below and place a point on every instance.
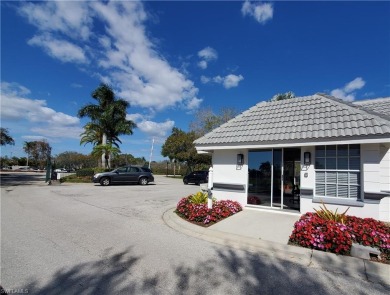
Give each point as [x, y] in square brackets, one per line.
[345, 265]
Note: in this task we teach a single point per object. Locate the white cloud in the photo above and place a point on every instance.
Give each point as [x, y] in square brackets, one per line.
[144, 77]
[261, 12]
[228, 81]
[14, 89]
[135, 117]
[231, 80]
[346, 93]
[355, 84]
[151, 128]
[204, 79]
[70, 18]
[124, 54]
[76, 85]
[206, 55]
[16, 107]
[194, 103]
[154, 129]
[203, 64]
[60, 49]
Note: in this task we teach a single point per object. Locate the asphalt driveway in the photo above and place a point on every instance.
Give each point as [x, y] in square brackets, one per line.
[88, 239]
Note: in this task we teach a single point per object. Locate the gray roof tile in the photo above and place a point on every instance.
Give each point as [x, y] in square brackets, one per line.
[379, 105]
[309, 118]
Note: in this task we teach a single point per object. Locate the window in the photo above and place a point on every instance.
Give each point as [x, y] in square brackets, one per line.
[337, 171]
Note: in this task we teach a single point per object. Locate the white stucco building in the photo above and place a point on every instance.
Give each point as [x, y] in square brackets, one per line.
[293, 154]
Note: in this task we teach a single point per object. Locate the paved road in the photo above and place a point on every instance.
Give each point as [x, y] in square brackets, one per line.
[87, 239]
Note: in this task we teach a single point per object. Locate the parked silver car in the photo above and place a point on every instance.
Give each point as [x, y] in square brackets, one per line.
[127, 174]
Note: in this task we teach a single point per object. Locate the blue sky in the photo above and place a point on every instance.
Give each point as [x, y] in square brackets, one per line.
[168, 59]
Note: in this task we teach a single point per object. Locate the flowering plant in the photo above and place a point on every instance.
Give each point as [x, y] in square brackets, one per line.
[199, 213]
[312, 231]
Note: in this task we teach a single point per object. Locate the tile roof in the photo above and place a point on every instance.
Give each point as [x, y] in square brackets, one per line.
[302, 119]
[379, 105]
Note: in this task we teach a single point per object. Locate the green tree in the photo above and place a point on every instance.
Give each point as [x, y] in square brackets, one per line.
[206, 120]
[108, 119]
[5, 137]
[72, 160]
[180, 146]
[39, 150]
[28, 147]
[282, 96]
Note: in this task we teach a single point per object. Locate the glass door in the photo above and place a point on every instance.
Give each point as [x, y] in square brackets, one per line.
[264, 179]
[291, 178]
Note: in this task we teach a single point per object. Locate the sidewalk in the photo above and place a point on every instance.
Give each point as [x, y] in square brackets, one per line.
[266, 231]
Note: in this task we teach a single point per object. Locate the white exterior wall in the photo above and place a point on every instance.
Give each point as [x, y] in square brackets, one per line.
[308, 176]
[375, 168]
[370, 165]
[226, 171]
[384, 151]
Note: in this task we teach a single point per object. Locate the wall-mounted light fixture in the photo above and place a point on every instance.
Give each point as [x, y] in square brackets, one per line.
[240, 159]
[306, 158]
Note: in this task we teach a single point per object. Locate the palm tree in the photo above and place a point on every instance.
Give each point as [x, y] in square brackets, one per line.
[283, 96]
[5, 137]
[108, 151]
[108, 119]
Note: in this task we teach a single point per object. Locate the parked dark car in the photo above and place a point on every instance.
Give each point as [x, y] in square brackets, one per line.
[196, 177]
[128, 174]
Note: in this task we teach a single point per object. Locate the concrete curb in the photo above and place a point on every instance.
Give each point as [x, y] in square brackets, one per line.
[344, 265]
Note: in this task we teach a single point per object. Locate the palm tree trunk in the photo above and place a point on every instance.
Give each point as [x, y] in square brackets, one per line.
[104, 142]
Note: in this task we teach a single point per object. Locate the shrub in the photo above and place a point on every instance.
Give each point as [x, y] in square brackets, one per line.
[370, 232]
[199, 198]
[85, 172]
[327, 214]
[313, 231]
[199, 213]
[75, 179]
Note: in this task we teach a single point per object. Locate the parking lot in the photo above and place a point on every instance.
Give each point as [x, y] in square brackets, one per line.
[89, 239]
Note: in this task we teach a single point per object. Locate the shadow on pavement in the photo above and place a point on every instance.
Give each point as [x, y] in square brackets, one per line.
[15, 179]
[228, 273]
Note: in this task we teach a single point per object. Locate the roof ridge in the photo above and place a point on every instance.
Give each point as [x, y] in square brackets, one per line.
[378, 99]
[379, 116]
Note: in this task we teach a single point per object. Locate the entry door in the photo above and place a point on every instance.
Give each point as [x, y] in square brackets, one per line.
[264, 179]
[291, 178]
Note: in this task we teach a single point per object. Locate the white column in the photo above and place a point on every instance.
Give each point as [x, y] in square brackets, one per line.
[209, 188]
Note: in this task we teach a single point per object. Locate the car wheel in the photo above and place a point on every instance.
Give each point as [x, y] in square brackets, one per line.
[143, 181]
[105, 181]
[185, 181]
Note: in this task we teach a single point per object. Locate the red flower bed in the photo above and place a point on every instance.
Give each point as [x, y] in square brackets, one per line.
[199, 213]
[313, 232]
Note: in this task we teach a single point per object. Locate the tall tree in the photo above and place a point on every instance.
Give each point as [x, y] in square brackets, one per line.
[28, 147]
[40, 151]
[206, 120]
[5, 137]
[282, 96]
[108, 119]
[180, 146]
[74, 160]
